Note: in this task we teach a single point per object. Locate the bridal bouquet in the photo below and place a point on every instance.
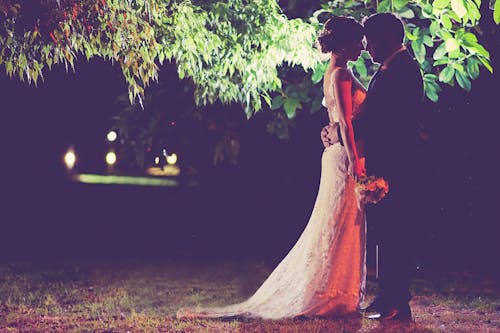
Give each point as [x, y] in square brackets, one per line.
[371, 189]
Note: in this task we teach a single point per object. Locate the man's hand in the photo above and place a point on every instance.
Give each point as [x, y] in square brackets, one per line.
[329, 135]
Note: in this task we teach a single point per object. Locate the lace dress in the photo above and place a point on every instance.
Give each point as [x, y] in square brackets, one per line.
[324, 272]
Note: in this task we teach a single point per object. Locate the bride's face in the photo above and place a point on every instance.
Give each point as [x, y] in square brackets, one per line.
[353, 51]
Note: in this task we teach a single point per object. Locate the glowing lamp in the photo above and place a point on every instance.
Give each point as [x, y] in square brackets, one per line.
[157, 160]
[70, 159]
[111, 158]
[172, 159]
[111, 136]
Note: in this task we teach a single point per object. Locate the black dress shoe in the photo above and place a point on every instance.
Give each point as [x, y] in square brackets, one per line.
[400, 314]
[378, 305]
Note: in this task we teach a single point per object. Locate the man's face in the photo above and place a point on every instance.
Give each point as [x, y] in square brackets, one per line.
[369, 47]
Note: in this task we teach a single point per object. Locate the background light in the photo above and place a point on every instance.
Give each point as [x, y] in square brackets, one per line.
[172, 159]
[111, 158]
[111, 136]
[157, 160]
[70, 159]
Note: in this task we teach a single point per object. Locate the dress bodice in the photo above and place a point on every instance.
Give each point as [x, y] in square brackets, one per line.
[358, 97]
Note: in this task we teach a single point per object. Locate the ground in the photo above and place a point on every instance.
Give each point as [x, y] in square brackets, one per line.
[143, 296]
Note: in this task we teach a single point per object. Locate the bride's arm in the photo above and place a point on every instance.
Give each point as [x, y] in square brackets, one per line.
[342, 84]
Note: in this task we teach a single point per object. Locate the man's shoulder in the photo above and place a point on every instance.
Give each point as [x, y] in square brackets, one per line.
[403, 60]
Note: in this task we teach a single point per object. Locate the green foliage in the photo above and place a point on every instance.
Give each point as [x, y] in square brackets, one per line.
[447, 46]
[230, 51]
[441, 35]
[496, 12]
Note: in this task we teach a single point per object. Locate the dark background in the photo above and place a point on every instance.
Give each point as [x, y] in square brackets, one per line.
[257, 208]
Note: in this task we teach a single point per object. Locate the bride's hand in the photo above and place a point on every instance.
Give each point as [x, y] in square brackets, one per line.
[356, 169]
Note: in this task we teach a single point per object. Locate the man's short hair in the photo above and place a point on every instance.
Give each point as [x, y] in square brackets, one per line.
[384, 27]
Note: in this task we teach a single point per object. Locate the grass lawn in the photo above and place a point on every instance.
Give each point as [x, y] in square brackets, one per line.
[138, 296]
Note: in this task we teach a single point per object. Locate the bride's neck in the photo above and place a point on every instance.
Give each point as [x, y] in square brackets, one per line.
[337, 62]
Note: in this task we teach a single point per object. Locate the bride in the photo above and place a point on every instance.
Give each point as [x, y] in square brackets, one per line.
[324, 273]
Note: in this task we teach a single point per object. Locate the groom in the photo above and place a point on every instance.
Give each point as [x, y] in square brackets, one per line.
[387, 126]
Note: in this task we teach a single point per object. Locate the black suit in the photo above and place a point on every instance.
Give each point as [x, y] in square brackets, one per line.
[387, 125]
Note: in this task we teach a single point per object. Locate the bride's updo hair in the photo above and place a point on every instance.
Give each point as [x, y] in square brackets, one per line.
[339, 32]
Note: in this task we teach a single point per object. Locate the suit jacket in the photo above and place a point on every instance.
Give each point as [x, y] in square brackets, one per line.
[388, 121]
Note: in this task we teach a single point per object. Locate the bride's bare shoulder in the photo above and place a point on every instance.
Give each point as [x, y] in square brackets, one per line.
[341, 74]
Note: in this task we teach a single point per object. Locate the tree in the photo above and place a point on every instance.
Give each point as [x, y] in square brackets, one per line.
[229, 50]
[233, 52]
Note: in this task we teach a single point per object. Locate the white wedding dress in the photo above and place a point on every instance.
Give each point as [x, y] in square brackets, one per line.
[324, 273]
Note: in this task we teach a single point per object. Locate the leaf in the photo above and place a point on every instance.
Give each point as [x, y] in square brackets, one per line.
[292, 91]
[486, 64]
[463, 80]
[479, 49]
[451, 45]
[419, 50]
[277, 102]
[441, 61]
[400, 4]
[431, 92]
[469, 39]
[445, 19]
[406, 13]
[291, 106]
[384, 6]
[430, 77]
[319, 72]
[440, 4]
[316, 105]
[427, 10]
[473, 12]
[446, 74]
[434, 28]
[459, 8]
[473, 68]
[361, 67]
[427, 40]
[440, 52]
[496, 12]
